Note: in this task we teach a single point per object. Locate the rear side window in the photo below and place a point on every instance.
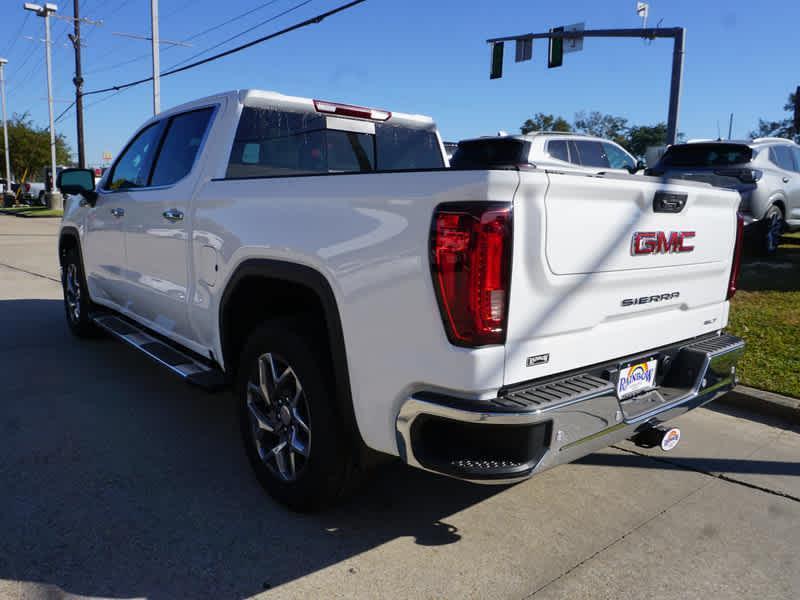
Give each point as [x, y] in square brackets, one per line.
[179, 149]
[133, 166]
[782, 157]
[707, 155]
[590, 154]
[558, 150]
[796, 152]
[272, 143]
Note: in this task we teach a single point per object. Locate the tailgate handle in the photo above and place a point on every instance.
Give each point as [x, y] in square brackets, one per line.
[667, 202]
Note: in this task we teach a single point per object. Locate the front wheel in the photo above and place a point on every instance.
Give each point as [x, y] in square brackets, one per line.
[292, 433]
[76, 297]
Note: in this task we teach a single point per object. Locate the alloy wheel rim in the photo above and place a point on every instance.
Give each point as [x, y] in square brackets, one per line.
[279, 415]
[73, 295]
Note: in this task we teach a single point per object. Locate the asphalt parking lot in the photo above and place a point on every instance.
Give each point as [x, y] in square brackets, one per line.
[117, 480]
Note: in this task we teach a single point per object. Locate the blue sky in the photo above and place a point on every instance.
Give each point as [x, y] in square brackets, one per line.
[421, 56]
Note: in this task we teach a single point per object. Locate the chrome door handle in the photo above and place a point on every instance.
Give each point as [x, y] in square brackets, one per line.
[785, 180]
[118, 212]
[173, 214]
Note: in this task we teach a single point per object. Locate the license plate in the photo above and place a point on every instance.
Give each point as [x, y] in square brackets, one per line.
[636, 377]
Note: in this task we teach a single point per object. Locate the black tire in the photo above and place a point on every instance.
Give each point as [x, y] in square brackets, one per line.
[303, 483]
[77, 304]
[771, 227]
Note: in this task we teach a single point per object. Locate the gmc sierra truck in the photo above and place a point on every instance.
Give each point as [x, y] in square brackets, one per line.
[361, 298]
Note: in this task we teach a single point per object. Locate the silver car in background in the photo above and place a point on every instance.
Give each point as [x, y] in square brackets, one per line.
[547, 150]
[765, 172]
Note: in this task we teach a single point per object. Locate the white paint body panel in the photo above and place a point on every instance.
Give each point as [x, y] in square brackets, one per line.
[368, 235]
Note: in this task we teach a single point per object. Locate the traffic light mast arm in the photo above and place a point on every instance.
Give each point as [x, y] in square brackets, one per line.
[648, 33]
[678, 34]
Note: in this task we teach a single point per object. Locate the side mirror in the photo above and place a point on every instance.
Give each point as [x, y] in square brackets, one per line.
[77, 181]
[640, 166]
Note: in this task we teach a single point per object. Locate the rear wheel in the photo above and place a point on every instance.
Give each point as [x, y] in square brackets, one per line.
[293, 436]
[772, 227]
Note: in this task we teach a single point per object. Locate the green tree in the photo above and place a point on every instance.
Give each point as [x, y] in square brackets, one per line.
[29, 147]
[543, 122]
[605, 126]
[782, 128]
[641, 137]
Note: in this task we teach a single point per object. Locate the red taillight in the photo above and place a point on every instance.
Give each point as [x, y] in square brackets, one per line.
[27, 187]
[737, 257]
[348, 110]
[471, 265]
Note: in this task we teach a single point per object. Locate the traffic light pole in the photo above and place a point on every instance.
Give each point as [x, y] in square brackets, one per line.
[677, 34]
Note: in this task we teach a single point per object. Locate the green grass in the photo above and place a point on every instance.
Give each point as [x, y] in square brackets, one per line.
[18, 209]
[32, 211]
[44, 212]
[766, 313]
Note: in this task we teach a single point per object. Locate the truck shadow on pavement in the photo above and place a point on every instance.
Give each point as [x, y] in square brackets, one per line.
[701, 464]
[118, 480]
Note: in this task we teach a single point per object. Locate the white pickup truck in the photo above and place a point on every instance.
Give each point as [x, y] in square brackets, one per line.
[361, 298]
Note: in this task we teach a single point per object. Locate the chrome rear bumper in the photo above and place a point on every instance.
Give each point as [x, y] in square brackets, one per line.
[530, 429]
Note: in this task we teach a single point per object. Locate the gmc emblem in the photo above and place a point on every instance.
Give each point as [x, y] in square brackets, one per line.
[657, 242]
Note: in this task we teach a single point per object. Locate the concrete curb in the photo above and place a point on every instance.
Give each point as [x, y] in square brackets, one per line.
[767, 403]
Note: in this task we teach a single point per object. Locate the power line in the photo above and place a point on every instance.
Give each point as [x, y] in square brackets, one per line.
[172, 71]
[192, 37]
[231, 20]
[19, 34]
[241, 33]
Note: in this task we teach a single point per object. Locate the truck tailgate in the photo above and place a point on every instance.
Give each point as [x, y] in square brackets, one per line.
[585, 289]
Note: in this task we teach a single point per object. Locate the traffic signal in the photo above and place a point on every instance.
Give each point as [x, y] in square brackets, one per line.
[497, 61]
[555, 52]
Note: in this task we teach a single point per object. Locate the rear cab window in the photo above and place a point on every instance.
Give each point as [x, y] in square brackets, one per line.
[279, 143]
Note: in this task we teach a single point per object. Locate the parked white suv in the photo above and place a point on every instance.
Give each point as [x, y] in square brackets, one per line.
[360, 297]
[765, 172]
[547, 150]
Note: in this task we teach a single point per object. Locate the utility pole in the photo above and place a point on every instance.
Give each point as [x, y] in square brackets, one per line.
[156, 57]
[55, 199]
[7, 188]
[678, 35]
[78, 81]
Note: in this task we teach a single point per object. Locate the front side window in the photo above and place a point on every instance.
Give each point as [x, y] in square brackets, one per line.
[591, 154]
[181, 143]
[133, 167]
[558, 150]
[617, 157]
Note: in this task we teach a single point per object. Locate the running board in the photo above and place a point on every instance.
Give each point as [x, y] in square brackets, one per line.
[179, 362]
